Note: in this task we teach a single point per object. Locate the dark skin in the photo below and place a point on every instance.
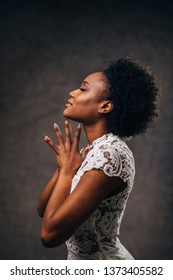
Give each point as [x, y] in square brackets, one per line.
[63, 212]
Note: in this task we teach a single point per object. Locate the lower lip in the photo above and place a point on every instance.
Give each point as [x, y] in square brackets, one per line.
[68, 105]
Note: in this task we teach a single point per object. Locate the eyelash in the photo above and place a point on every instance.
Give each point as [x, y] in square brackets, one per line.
[83, 89]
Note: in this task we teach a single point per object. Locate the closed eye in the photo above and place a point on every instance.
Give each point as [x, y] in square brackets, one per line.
[83, 89]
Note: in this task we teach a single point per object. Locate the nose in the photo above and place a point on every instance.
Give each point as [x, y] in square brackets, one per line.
[72, 94]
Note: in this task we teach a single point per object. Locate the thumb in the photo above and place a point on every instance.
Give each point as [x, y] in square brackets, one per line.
[85, 151]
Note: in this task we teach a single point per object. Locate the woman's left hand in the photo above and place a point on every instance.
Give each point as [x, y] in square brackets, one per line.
[68, 156]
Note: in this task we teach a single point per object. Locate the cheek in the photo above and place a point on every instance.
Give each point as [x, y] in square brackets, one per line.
[87, 107]
[86, 101]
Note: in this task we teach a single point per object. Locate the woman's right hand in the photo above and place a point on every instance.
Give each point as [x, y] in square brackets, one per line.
[67, 152]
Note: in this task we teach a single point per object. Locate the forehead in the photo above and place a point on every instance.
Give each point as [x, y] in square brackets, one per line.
[97, 79]
[98, 83]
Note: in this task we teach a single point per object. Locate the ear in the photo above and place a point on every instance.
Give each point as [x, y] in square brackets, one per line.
[105, 107]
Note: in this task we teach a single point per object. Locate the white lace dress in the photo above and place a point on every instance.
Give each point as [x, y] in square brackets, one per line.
[97, 238]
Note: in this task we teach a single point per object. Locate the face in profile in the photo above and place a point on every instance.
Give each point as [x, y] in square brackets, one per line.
[84, 104]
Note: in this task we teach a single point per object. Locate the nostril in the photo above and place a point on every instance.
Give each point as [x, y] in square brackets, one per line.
[71, 94]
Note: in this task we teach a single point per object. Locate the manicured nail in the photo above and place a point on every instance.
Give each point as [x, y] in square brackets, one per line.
[56, 126]
[89, 145]
[45, 138]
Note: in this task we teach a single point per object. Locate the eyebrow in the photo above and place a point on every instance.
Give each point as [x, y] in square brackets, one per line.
[85, 82]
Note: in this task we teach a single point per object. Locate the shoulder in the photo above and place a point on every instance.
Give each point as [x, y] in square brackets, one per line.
[112, 155]
[112, 146]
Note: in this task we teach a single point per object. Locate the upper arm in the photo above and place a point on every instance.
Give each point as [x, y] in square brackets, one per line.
[93, 187]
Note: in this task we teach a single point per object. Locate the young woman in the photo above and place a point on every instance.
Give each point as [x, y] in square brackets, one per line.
[84, 202]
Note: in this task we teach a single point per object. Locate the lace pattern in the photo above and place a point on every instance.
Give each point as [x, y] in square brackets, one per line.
[97, 238]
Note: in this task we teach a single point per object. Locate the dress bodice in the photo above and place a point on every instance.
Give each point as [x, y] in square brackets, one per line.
[97, 237]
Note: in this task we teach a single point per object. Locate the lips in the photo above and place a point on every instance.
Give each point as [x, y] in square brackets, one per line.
[68, 103]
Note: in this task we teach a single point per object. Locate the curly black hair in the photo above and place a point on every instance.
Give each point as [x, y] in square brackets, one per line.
[135, 92]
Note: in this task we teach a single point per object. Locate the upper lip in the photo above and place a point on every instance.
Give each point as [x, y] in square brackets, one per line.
[68, 101]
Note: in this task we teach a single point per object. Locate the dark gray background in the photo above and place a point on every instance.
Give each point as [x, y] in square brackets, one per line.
[46, 49]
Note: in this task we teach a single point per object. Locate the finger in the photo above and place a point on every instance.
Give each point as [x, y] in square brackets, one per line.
[67, 132]
[85, 151]
[51, 144]
[58, 160]
[59, 134]
[77, 137]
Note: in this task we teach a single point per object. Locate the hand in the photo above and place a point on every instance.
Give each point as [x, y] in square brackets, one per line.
[68, 156]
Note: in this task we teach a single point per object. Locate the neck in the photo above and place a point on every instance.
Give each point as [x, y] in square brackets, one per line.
[94, 131]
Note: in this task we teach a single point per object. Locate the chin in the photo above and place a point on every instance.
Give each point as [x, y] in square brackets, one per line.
[68, 116]
[65, 114]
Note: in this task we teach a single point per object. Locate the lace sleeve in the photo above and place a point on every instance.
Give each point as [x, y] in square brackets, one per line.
[113, 162]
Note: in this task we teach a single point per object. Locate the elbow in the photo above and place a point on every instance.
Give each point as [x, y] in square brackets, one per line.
[51, 240]
[50, 243]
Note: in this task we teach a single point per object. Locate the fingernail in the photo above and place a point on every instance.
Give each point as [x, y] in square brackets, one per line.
[89, 145]
[45, 138]
[79, 125]
[56, 126]
[66, 121]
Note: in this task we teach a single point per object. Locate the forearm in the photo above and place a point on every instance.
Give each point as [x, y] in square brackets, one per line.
[69, 160]
[46, 193]
[59, 194]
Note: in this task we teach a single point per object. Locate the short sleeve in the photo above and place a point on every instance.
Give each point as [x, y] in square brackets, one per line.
[114, 161]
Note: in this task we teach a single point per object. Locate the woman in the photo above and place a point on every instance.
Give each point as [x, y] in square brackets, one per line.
[84, 202]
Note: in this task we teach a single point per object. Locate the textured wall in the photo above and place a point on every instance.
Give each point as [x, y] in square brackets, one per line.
[46, 49]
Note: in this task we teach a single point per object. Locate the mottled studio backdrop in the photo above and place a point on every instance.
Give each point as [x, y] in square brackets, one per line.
[46, 49]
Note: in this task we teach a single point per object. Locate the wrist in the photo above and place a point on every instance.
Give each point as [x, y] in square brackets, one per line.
[67, 172]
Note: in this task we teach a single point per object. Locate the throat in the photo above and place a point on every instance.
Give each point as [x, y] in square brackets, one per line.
[92, 133]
